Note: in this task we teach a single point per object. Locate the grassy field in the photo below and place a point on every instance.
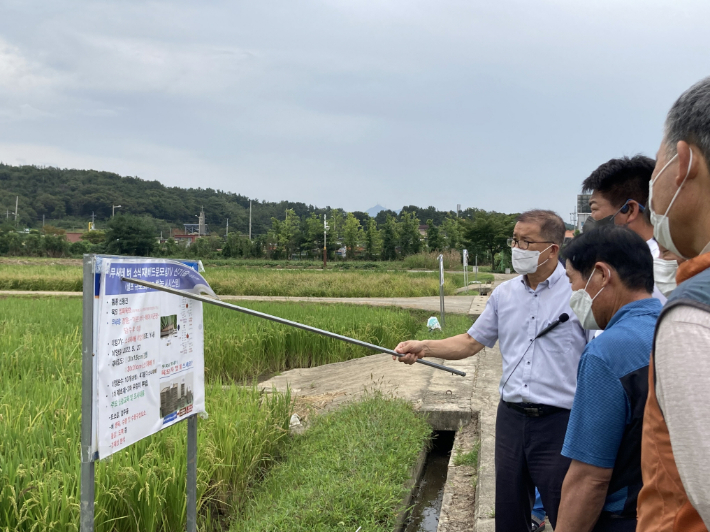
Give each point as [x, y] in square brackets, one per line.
[67, 277]
[348, 467]
[137, 489]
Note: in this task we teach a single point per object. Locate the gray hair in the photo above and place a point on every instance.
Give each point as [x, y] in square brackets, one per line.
[552, 227]
[689, 119]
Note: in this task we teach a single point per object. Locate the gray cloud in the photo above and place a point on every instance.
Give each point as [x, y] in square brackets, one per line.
[504, 105]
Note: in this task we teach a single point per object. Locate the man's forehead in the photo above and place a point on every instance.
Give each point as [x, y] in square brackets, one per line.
[526, 229]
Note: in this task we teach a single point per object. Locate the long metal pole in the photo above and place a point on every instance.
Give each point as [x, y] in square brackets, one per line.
[192, 473]
[325, 228]
[249, 220]
[258, 314]
[86, 509]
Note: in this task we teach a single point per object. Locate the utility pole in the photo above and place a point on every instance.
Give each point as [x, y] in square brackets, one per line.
[43, 220]
[325, 229]
[227, 233]
[249, 220]
[17, 204]
[113, 209]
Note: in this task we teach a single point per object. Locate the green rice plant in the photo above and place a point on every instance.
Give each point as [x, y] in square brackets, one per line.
[140, 488]
[242, 347]
[347, 471]
[46, 276]
[143, 487]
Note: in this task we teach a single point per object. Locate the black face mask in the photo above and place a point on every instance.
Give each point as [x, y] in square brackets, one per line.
[590, 223]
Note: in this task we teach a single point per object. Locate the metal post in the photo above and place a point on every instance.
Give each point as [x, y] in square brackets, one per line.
[250, 220]
[87, 381]
[441, 288]
[465, 268]
[192, 473]
[325, 228]
[476, 279]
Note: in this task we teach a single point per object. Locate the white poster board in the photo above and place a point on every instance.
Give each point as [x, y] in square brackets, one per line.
[441, 270]
[149, 350]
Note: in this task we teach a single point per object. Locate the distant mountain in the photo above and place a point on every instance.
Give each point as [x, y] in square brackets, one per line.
[377, 208]
[374, 210]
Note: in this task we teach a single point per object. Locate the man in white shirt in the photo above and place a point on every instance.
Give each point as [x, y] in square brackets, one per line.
[619, 189]
[539, 369]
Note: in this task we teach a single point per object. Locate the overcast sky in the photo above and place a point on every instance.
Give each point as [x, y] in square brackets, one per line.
[503, 105]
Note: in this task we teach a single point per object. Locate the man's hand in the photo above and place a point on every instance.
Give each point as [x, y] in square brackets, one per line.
[411, 349]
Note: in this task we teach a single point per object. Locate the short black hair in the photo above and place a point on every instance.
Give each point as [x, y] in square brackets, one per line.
[619, 247]
[622, 179]
[552, 227]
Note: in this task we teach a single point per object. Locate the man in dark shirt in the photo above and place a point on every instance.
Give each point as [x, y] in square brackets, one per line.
[611, 272]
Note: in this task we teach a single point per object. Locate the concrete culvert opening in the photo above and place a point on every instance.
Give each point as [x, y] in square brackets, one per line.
[424, 516]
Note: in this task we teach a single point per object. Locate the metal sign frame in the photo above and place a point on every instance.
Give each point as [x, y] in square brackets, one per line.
[88, 458]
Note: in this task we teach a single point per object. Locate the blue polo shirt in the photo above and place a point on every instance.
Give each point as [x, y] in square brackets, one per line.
[607, 414]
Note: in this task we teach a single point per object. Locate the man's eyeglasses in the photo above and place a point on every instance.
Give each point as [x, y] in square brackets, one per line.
[524, 244]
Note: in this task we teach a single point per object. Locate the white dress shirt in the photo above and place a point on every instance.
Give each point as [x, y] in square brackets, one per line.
[514, 315]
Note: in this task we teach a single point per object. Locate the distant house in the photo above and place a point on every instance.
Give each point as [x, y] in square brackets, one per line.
[73, 237]
[569, 235]
[423, 228]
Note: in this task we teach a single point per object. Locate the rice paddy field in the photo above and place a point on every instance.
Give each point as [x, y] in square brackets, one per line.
[65, 276]
[143, 487]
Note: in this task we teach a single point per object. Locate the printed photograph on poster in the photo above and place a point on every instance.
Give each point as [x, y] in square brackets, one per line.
[176, 396]
[168, 326]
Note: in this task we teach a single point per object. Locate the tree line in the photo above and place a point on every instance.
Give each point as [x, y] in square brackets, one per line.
[280, 230]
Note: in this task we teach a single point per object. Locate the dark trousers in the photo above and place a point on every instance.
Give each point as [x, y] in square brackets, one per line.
[528, 455]
[612, 524]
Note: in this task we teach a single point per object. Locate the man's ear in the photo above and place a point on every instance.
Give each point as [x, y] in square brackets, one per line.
[634, 211]
[604, 271]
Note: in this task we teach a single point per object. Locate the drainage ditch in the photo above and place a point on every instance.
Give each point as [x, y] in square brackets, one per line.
[424, 516]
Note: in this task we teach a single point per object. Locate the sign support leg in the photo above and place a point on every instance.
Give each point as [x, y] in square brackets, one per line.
[192, 473]
[86, 509]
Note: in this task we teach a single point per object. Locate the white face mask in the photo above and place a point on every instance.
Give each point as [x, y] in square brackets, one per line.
[661, 225]
[581, 304]
[664, 275]
[525, 260]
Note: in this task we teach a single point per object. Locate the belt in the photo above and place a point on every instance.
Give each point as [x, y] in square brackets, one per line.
[533, 409]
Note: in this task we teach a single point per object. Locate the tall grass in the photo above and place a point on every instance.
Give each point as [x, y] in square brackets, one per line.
[143, 487]
[256, 282]
[347, 471]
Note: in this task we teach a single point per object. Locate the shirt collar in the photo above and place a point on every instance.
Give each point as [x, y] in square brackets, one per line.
[555, 276]
[635, 308]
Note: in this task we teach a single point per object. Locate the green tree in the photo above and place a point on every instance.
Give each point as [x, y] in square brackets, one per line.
[452, 234]
[94, 237]
[372, 239]
[433, 237]
[409, 236]
[389, 239]
[313, 235]
[352, 234]
[490, 231]
[131, 235]
[289, 233]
